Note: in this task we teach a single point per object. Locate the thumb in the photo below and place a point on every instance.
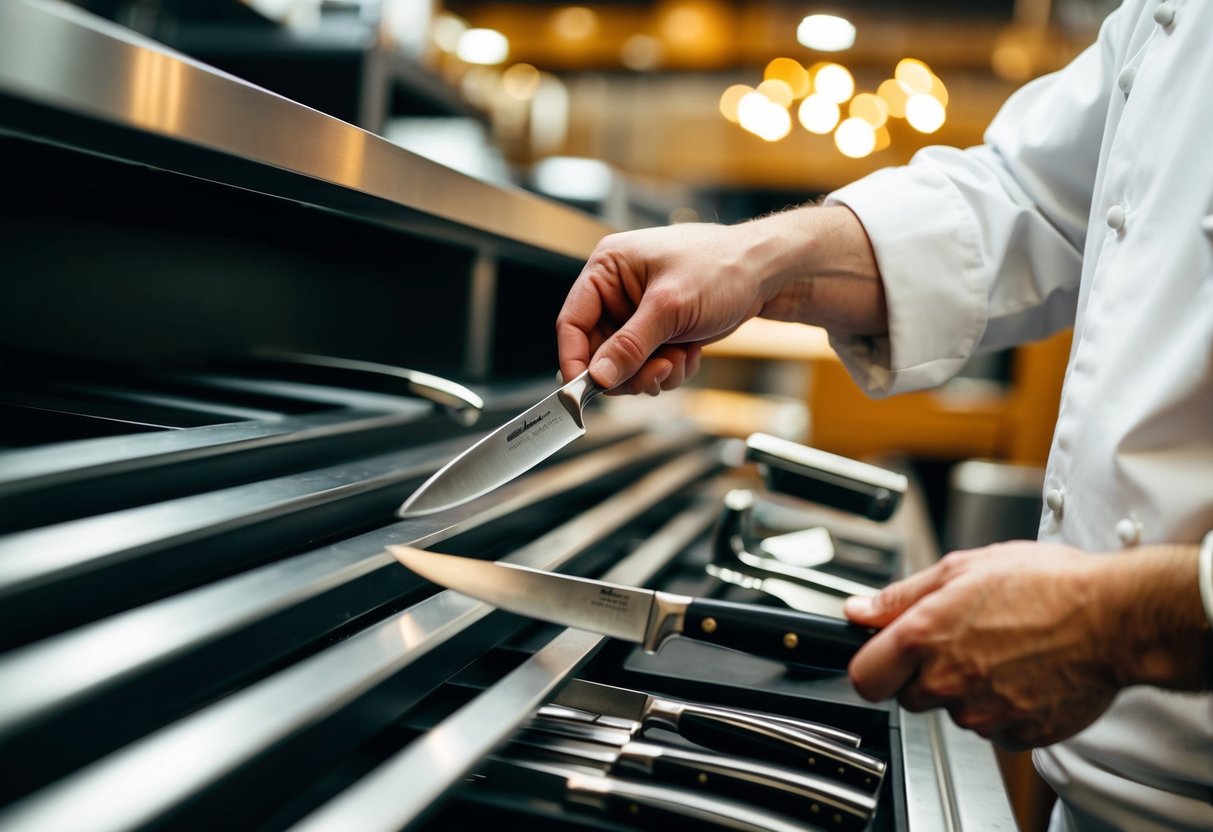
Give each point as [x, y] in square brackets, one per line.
[626, 351]
[885, 606]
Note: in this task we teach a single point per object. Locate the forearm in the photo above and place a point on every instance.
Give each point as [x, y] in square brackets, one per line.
[1149, 605]
[818, 267]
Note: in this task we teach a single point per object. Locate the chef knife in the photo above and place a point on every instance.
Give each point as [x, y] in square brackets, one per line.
[643, 616]
[505, 782]
[510, 450]
[781, 789]
[823, 758]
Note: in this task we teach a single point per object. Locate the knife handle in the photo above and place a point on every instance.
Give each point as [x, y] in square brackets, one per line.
[785, 635]
[739, 733]
[828, 803]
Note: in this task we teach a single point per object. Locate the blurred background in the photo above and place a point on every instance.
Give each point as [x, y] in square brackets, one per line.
[647, 112]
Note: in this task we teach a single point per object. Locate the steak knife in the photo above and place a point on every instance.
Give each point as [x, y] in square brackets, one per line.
[509, 451]
[508, 781]
[786, 791]
[643, 616]
[823, 759]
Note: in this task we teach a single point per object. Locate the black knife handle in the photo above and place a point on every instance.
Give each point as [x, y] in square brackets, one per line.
[785, 635]
[744, 735]
[828, 803]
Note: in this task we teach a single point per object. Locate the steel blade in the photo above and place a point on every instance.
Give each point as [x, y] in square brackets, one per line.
[604, 699]
[599, 607]
[512, 449]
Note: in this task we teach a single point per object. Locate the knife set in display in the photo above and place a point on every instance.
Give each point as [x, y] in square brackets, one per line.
[737, 769]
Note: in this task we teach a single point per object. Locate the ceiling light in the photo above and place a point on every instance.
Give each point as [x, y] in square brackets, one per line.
[855, 138]
[483, 46]
[818, 114]
[826, 33]
[925, 113]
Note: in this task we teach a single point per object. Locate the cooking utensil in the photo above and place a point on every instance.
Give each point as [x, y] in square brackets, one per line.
[510, 450]
[713, 726]
[643, 616]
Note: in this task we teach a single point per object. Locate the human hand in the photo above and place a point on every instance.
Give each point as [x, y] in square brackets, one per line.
[1008, 638]
[648, 301]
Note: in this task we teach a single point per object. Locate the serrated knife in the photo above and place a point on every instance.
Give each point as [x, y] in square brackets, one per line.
[512, 449]
[643, 616]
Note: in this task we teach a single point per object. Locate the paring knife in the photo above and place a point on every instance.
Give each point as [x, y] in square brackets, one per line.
[826, 759]
[510, 450]
[786, 791]
[643, 616]
[508, 781]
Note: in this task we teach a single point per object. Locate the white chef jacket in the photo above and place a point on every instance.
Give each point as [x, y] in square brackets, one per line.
[1090, 203]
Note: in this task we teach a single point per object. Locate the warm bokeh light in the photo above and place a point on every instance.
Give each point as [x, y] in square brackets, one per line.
[894, 96]
[768, 121]
[575, 23]
[483, 46]
[835, 82]
[730, 98]
[520, 82]
[924, 113]
[641, 53]
[938, 91]
[446, 30]
[883, 139]
[855, 138]
[914, 75]
[870, 108]
[826, 33]
[818, 114]
[479, 84]
[777, 91]
[791, 73]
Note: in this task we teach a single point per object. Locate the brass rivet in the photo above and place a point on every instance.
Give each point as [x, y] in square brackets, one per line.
[790, 641]
[814, 808]
[703, 778]
[709, 625]
[634, 808]
[842, 770]
[837, 818]
[812, 761]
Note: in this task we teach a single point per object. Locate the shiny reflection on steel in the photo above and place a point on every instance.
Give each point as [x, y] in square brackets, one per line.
[121, 78]
[135, 784]
[29, 469]
[51, 674]
[463, 404]
[438, 759]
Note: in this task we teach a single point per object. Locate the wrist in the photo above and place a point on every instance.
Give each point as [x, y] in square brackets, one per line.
[1156, 630]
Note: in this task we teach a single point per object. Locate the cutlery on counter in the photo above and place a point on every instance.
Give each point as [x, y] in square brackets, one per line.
[780, 789]
[826, 759]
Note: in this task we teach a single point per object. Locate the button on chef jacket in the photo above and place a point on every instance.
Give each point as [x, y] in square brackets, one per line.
[1090, 204]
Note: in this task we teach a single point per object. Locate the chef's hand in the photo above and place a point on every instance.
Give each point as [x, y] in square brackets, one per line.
[648, 301]
[1027, 643]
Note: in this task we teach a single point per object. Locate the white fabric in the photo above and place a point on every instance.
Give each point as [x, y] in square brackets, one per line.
[1010, 241]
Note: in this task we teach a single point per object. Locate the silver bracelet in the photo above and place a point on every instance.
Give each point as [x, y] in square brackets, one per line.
[1205, 575]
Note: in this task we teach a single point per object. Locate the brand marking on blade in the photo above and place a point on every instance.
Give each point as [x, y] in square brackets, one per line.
[612, 599]
[525, 426]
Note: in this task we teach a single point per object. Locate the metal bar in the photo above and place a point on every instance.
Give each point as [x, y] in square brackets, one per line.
[437, 760]
[150, 776]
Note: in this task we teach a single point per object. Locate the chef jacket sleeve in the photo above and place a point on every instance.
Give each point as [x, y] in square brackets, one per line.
[981, 248]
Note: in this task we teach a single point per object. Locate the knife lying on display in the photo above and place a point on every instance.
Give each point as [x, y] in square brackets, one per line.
[827, 759]
[511, 781]
[509, 451]
[783, 790]
[712, 726]
[643, 616]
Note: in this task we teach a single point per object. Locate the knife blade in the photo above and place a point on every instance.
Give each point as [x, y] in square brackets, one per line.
[505, 782]
[695, 721]
[819, 757]
[789, 792]
[643, 616]
[510, 450]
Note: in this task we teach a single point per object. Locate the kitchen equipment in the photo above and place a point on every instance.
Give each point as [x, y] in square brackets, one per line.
[641, 615]
[512, 449]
